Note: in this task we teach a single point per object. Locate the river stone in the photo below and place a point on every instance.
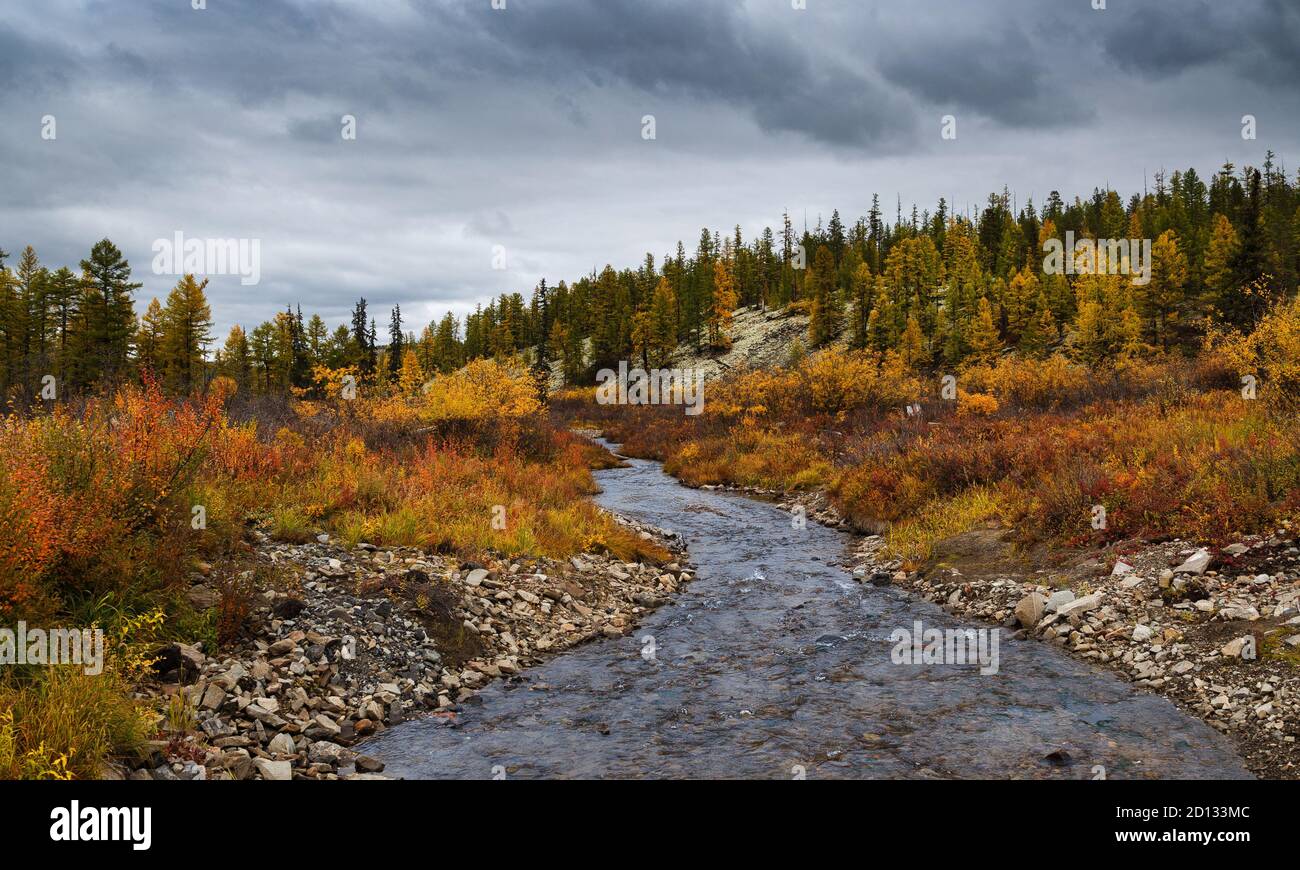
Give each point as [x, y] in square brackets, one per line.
[325, 752]
[213, 697]
[238, 762]
[1196, 563]
[1233, 648]
[202, 597]
[1058, 598]
[281, 647]
[281, 770]
[281, 744]
[324, 724]
[366, 764]
[1080, 605]
[1030, 609]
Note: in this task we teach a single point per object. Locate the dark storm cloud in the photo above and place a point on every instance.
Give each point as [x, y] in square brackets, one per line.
[708, 51]
[1001, 75]
[1260, 39]
[521, 128]
[1148, 40]
[33, 64]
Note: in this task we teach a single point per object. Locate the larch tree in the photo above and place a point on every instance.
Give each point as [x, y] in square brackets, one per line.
[396, 345]
[663, 323]
[824, 318]
[149, 339]
[982, 339]
[1220, 255]
[724, 304]
[64, 295]
[187, 332]
[912, 345]
[234, 360]
[1162, 297]
[862, 292]
[1041, 330]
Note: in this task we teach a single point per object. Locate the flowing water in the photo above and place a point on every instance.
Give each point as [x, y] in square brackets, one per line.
[775, 663]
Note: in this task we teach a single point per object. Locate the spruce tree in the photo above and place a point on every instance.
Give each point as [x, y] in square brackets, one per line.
[396, 345]
[108, 315]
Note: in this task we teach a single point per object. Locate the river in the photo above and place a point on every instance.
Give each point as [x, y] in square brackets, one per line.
[775, 663]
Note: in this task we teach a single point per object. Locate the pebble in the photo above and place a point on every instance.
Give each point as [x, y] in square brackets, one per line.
[336, 661]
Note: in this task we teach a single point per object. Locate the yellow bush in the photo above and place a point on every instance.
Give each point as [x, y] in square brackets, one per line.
[837, 381]
[484, 389]
[1028, 382]
[975, 404]
[1270, 354]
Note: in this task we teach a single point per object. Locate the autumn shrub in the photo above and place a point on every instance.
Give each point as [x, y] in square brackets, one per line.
[65, 724]
[101, 502]
[1203, 469]
[106, 510]
[1025, 382]
[913, 539]
[1270, 355]
[58, 722]
[483, 390]
[452, 499]
[976, 404]
[751, 457]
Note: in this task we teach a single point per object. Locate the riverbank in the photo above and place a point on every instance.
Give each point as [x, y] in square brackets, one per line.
[1216, 631]
[1220, 644]
[360, 639]
[773, 663]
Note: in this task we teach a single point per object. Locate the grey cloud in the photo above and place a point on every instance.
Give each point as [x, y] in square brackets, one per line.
[1001, 75]
[34, 66]
[704, 51]
[478, 127]
[1260, 39]
[495, 225]
[318, 130]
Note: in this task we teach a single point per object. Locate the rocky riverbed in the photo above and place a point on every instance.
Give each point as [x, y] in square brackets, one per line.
[774, 663]
[351, 641]
[1216, 631]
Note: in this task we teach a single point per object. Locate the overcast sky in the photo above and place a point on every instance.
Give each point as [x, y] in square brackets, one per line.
[522, 127]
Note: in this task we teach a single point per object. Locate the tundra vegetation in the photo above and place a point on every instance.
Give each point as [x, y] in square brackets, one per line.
[111, 500]
[133, 452]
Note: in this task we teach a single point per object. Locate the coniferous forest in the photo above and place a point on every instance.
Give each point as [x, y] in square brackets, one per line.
[941, 287]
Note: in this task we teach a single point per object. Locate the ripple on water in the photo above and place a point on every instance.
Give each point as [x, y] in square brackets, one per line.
[773, 662]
